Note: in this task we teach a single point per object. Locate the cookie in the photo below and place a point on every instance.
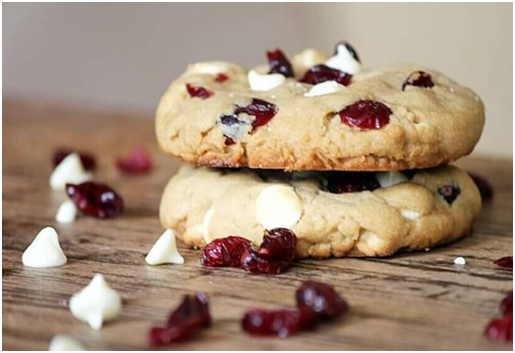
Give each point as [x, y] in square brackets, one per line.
[332, 213]
[310, 114]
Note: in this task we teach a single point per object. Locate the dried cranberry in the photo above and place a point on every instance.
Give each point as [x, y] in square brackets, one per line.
[274, 255]
[282, 323]
[418, 79]
[279, 63]
[263, 111]
[221, 77]
[322, 73]
[505, 262]
[485, 189]
[449, 193]
[224, 252]
[198, 91]
[87, 160]
[97, 200]
[138, 161]
[322, 299]
[366, 114]
[349, 47]
[342, 182]
[500, 329]
[191, 315]
[507, 304]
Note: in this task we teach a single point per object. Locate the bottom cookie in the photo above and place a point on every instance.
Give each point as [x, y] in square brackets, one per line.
[332, 213]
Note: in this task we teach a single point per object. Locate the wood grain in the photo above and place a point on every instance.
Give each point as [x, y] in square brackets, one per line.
[407, 302]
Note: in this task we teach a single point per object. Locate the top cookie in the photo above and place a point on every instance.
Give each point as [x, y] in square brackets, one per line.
[319, 112]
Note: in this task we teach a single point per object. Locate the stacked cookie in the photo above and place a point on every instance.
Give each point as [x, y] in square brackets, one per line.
[353, 161]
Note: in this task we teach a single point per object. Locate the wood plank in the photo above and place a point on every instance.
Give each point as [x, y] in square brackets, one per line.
[406, 302]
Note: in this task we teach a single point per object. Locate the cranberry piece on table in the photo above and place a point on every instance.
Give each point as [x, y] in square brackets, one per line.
[87, 160]
[343, 182]
[449, 193]
[221, 77]
[263, 111]
[500, 329]
[322, 73]
[505, 262]
[224, 252]
[485, 188]
[322, 299]
[198, 91]
[191, 315]
[137, 162]
[281, 323]
[279, 63]
[418, 79]
[97, 200]
[366, 114]
[274, 255]
[507, 304]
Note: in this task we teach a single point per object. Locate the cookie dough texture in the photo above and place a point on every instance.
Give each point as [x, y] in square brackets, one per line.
[428, 127]
[201, 204]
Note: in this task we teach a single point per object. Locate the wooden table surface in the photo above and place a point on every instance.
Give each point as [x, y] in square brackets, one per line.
[406, 302]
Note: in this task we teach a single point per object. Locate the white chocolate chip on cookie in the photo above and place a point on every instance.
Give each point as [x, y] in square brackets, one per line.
[259, 82]
[324, 88]
[278, 206]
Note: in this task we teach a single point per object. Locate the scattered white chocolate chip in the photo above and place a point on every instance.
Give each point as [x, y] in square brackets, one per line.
[66, 213]
[327, 87]
[409, 214]
[209, 68]
[206, 225]
[165, 250]
[278, 206]
[387, 179]
[44, 251]
[65, 343]
[70, 170]
[460, 261]
[344, 61]
[260, 82]
[96, 303]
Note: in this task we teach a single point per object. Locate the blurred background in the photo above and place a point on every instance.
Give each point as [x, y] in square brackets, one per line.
[123, 56]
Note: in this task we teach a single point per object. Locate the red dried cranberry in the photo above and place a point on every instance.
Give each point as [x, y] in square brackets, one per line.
[191, 315]
[349, 47]
[342, 182]
[507, 304]
[274, 255]
[138, 161]
[322, 73]
[97, 200]
[198, 91]
[87, 160]
[449, 193]
[485, 189]
[505, 262]
[282, 323]
[366, 114]
[418, 79]
[500, 329]
[279, 63]
[221, 77]
[263, 111]
[224, 252]
[322, 299]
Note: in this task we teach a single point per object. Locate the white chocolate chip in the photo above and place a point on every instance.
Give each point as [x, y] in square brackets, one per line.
[460, 261]
[96, 303]
[165, 250]
[70, 170]
[66, 213]
[65, 343]
[278, 206]
[410, 214]
[44, 251]
[206, 224]
[370, 238]
[344, 61]
[260, 82]
[327, 87]
[209, 68]
[387, 179]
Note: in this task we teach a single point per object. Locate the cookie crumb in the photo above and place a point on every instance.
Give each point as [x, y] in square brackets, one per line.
[460, 261]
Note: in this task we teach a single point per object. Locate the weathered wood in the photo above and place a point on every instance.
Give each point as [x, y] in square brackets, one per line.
[410, 301]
